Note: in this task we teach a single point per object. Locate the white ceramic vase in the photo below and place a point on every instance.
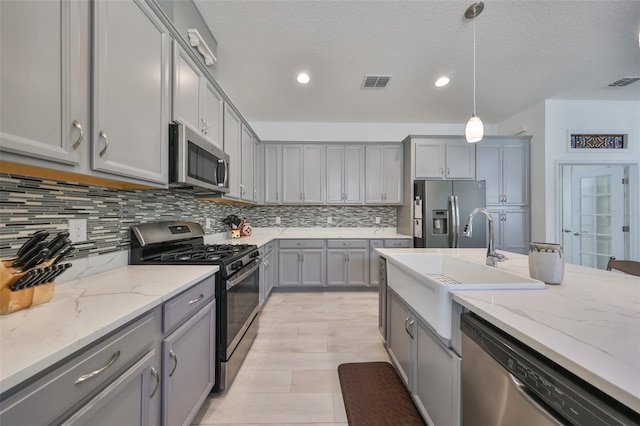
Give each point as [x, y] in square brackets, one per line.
[546, 262]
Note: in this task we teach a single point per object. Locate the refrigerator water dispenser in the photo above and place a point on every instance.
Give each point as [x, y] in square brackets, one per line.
[440, 222]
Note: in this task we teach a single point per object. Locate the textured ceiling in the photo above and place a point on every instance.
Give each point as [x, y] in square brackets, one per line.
[527, 51]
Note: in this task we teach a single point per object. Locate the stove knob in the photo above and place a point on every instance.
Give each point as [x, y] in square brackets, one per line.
[237, 266]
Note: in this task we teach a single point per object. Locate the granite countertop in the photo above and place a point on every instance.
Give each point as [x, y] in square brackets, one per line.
[589, 324]
[262, 236]
[84, 310]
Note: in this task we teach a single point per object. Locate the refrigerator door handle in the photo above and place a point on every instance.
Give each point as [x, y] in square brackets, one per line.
[452, 221]
[456, 222]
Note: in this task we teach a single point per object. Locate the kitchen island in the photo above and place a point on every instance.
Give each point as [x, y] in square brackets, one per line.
[589, 324]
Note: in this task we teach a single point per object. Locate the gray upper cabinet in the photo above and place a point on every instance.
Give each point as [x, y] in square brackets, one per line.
[450, 158]
[130, 91]
[246, 174]
[44, 79]
[383, 170]
[272, 174]
[232, 147]
[303, 174]
[345, 174]
[196, 102]
[259, 184]
[504, 164]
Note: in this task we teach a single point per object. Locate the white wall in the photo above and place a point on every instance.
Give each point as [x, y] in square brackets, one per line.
[353, 132]
[550, 124]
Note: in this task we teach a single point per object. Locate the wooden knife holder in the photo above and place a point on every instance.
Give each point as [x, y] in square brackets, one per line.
[12, 301]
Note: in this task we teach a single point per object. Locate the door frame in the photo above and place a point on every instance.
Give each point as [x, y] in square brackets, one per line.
[632, 199]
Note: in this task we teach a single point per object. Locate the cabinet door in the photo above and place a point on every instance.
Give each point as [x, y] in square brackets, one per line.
[429, 160]
[232, 147]
[186, 89]
[272, 174]
[392, 174]
[246, 189]
[313, 174]
[313, 267]
[496, 214]
[212, 112]
[515, 168]
[188, 367]
[374, 170]
[353, 176]
[357, 267]
[126, 401]
[270, 277]
[44, 76]
[437, 386]
[515, 230]
[399, 341]
[258, 176]
[131, 79]
[336, 267]
[289, 267]
[292, 174]
[461, 160]
[373, 261]
[489, 169]
[262, 278]
[335, 178]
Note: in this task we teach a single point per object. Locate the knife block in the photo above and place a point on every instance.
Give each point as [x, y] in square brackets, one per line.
[12, 301]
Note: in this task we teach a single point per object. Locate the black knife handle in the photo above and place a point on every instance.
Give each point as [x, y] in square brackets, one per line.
[63, 254]
[23, 280]
[34, 239]
[26, 257]
[57, 248]
[36, 259]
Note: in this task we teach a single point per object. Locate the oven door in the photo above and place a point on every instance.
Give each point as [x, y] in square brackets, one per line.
[242, 294]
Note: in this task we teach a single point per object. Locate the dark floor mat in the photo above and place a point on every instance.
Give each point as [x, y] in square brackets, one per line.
[374, 395]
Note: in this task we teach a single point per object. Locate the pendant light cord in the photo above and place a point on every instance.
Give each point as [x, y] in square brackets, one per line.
[474, 66]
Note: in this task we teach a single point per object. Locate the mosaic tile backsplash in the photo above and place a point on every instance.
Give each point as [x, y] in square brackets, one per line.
[28, 204]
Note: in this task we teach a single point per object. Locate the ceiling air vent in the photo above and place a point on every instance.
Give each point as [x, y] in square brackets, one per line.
[624, 82]
[377, 81]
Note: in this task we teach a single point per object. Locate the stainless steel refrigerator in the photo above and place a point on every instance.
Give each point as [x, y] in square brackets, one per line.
[441, 210]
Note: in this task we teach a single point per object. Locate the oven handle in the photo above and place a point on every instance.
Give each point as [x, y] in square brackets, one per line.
[246, 272]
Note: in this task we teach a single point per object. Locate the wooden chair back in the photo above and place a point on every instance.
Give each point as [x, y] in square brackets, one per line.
[627, 266]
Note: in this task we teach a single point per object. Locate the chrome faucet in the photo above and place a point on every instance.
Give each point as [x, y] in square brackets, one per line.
[492, 256]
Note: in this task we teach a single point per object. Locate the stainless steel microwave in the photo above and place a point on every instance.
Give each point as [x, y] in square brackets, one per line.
[195, 163]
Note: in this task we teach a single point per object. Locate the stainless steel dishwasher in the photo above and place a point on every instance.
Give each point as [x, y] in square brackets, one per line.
[504, 382]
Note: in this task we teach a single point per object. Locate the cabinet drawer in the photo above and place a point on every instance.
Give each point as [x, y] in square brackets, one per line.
[82, 375]
[183, 306]
[347, 244]
[301, 244]
[268, 247]
[397, 243]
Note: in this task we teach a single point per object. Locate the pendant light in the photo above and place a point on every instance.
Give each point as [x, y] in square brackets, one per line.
[475, 129]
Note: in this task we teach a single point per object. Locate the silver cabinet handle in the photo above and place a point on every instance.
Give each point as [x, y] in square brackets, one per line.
[87, 376]
[204, 126]
[410, 330]
[441, 170]
[348, 258]
[277, 196]
[346, 244]
[173, 357]
[78, 126]
[448, 173]
[301, 257]
[103, 135]
[156, 376]
[300, 244]
[344, 257]
[191, 302]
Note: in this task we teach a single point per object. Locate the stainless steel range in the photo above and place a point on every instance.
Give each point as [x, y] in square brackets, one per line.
[237, 287]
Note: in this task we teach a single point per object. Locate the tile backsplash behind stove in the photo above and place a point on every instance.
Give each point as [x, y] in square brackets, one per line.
[28, 204]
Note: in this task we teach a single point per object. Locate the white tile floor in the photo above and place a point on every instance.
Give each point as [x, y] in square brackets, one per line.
[290, 374]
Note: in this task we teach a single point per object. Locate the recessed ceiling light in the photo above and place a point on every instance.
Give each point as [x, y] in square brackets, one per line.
[442, 81]
[303, 78]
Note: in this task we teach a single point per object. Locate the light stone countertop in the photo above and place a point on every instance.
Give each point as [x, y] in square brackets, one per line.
[84, 310]
[262, 236]
[589, 324]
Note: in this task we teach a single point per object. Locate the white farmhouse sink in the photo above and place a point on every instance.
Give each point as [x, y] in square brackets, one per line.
[426, 279]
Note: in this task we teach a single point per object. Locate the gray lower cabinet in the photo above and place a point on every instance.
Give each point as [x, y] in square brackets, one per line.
[347, 262]
[430, 370]
[268, 271]
[188, 367]
[373, 261]
[127, 401]
[89, 386]
[302, 263]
